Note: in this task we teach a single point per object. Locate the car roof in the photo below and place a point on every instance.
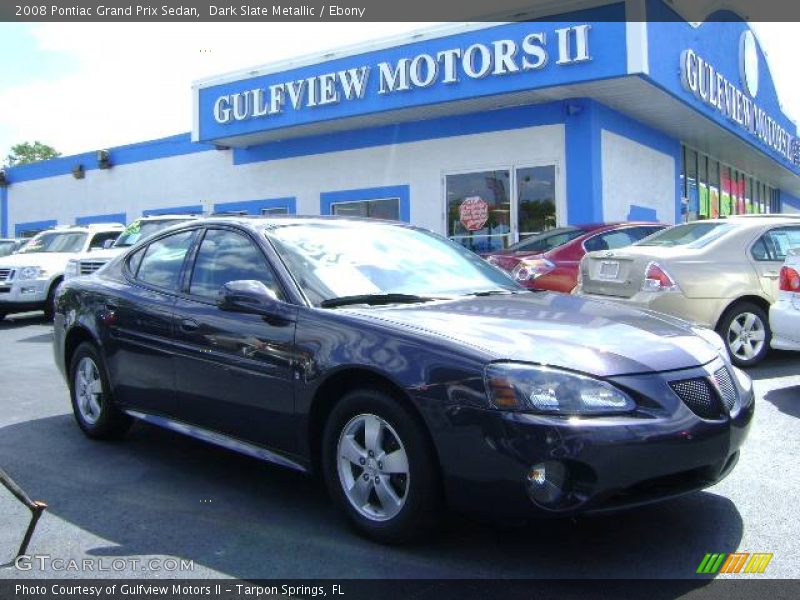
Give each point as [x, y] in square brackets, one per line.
[265, 221]
[170, 217]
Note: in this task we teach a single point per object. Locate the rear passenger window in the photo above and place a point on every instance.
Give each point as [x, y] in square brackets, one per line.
[774, 244]
[226, 256]
[163, 260]
[608, 241]
[134, 260]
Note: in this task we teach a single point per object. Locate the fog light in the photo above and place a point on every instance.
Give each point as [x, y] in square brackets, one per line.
[546, 482]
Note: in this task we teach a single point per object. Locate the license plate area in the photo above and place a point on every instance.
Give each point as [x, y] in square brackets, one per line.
[609, 269]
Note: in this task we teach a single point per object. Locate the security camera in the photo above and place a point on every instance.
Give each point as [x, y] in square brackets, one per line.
[104, 159]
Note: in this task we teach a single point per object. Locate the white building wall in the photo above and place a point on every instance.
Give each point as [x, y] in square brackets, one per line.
[634, 174]
[210, 177]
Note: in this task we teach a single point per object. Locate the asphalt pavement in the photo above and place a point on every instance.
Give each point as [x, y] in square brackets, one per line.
[168, 506]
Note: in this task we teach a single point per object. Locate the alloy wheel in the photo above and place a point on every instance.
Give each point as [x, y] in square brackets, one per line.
[746, 336]
[373, 467]
[88, 390]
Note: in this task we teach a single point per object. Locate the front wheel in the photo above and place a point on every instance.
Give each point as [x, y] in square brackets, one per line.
[91, 397]
[380, 468]
[745, 329]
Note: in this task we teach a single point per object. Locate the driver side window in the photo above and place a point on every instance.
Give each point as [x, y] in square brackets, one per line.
[226, 256]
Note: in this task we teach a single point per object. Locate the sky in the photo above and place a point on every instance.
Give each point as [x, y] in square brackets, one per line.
[84, 86]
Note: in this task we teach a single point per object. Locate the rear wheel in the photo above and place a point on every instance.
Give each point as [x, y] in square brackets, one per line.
[379, 467]
[50, 303]
[745, 329]
[91, 398]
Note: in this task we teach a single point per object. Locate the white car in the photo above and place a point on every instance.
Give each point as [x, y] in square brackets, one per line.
[29, 278]
[784, 315]
[89, 262]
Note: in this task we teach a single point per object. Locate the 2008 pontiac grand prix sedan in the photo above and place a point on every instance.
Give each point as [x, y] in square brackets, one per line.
[403, 368]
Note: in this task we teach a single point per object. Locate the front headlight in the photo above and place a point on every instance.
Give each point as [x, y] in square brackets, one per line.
[71, 269]
[515, 386]
[31, 273]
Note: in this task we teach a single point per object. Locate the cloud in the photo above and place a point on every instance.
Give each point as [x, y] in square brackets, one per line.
[130, 82]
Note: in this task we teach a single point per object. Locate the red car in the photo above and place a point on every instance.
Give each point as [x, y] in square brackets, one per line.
[549, 260]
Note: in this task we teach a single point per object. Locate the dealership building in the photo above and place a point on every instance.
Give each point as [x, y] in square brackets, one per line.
[482, 132]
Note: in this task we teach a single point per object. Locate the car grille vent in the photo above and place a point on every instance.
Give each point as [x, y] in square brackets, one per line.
[698, 394]
[726, 388]
[6, 274]
[89, 267]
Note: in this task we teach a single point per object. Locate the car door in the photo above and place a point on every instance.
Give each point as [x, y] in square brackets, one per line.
[768, 253]
[233, 370]
[139, 319]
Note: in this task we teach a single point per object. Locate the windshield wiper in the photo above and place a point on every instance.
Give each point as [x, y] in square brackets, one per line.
[374, 299]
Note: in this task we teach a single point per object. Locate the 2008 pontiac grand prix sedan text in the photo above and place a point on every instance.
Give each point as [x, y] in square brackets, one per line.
[403, 368]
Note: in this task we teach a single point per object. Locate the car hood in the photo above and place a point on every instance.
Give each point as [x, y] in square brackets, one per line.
[600, 338]
[45, 260]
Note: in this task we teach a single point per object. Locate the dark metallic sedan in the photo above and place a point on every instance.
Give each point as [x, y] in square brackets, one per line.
[403, 368]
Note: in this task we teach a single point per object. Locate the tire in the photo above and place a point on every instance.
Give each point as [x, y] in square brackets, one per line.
[50, 303]
[409, 494]
[745, 329]
[94, 411]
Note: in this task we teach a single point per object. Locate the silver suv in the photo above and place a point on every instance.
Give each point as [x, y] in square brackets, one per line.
[29, 278]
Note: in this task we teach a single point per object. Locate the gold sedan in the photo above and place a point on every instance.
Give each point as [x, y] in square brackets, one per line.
[721, 274]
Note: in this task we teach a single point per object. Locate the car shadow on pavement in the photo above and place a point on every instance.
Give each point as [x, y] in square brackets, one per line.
[159, 493]
[23, 320]
[777, 364]
[786, 400]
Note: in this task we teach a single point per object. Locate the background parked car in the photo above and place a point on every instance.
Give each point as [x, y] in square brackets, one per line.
[29, 278]
[549, 260]
[720, 273]
[784, 315]
[88, 262]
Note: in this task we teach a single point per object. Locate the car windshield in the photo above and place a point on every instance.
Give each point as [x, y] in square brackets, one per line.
[7, 247]
[55, 242]
[691, 235]
[547, 240]
[139, 229]
[340, 259]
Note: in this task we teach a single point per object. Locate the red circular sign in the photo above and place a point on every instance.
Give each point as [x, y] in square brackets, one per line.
[473, 213]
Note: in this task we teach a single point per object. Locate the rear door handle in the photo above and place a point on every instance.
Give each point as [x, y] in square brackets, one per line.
[189, 325]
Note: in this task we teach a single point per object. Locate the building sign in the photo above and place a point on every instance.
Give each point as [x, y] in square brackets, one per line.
[529, 53]
[713, 89]
[473, 213]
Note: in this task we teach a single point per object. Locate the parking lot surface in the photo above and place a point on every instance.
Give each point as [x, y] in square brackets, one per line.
[158, 496]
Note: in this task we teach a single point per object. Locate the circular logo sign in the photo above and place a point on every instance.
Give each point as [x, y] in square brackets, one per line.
[748, 62]
[473, 213]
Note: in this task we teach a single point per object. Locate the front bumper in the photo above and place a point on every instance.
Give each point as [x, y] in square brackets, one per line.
[703, 311]
[784, 320]
[23, 295]
[610, 463]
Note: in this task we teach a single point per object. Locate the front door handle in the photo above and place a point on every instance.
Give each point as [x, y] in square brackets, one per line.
[189, 325]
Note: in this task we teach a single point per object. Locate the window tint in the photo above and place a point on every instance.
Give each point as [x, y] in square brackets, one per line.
[228, 256]
[609, 240]
[693, 235]
[163, 260]
[774, 244]
[100, 238]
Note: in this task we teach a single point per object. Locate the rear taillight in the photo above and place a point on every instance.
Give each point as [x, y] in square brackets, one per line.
[790, 280]
[530, 269]
[656, 279]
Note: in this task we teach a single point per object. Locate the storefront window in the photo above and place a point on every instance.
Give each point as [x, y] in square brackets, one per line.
[718, 190]
[275, 210]
[536, 190]
[479, 209]
[383, 208]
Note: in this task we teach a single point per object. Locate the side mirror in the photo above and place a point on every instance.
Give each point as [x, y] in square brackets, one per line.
[253, 297]
[107, 244]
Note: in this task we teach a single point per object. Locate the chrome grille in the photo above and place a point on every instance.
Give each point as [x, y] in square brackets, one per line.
[6, 274]
[699, 396]
[726, 388]
[88, 267]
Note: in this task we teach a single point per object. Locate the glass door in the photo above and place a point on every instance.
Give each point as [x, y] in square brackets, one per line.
[489, 210]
